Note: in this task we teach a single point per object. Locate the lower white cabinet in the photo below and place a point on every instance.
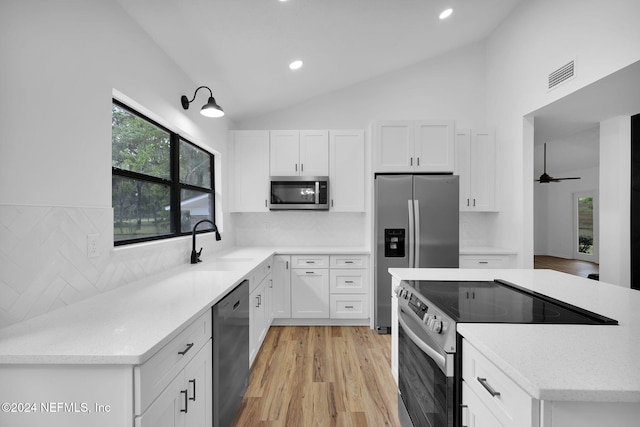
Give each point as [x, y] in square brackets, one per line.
[187, 400]
[349, 285]
[281, 283]
[259, 317]
[485, 261]
[309, 293]
[492, 398]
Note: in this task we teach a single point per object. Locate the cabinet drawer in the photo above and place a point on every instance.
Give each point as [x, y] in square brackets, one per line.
[306, 261]
[511, 405]
[345, 306]
[349, 261]
[349, 281]
[474, 412]
[260, 273]
[484, 261]
[156, 374]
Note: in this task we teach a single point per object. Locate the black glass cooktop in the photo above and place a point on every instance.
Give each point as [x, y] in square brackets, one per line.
[499, 301]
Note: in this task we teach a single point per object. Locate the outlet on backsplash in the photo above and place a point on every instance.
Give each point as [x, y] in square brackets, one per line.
[93, 247]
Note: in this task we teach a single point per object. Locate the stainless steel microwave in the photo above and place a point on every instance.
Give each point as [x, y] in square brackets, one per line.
[299, 193]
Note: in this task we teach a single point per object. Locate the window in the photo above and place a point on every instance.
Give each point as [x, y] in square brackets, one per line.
[161, 184]
[585, 208]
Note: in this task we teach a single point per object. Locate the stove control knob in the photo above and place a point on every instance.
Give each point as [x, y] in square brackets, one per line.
[437, 326]
[397, 291]
[428, 320]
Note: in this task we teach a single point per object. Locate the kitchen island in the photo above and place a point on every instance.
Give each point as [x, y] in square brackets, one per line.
[576, 375]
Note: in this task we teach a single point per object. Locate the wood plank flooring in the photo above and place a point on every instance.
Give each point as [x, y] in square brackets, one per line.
[571, 266]
[321, 376]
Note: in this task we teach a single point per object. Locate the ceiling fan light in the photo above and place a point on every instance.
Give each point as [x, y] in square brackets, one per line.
[295, 64]
[212, 109]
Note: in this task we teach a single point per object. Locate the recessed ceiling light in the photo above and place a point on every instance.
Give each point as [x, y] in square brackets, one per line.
[295, 64]
[446, 13]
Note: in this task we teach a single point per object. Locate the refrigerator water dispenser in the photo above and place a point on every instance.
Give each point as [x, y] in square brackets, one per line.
[394, 242]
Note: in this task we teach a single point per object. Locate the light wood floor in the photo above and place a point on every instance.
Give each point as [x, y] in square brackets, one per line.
[571, 266]
[321, 376]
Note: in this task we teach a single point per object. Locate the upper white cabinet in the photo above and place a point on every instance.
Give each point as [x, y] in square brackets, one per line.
[299, 153]
[414, 146]
[476, 164]
[347, 161]
[250, 171]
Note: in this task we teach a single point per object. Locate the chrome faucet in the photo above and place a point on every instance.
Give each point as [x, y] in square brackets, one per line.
[195, 256]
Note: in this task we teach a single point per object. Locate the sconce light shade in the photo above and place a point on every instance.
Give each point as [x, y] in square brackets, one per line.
[210, 109]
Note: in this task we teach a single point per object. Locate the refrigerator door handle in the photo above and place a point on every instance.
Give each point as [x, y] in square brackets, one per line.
[416, 235]
[411, 233]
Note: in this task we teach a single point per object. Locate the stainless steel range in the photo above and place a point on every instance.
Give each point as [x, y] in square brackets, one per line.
[429, 357]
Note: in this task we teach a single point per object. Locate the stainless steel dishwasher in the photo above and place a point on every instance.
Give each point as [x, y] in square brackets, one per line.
[230, 354]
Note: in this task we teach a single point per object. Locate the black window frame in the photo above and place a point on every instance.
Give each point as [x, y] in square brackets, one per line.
[175, 186]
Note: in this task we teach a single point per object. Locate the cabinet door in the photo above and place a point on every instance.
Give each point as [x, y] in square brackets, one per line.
[310, 293]
[167, 410]
[314, 153]
[483, 171]
[474, 412]
[434, 146]
[250, 171]
[198, 382]
[281, 294]
[347, 170]
[284, 153]
[394, 146]
[463, 167]
[257, 320]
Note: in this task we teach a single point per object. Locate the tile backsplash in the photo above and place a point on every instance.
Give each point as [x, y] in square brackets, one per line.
[44, 263]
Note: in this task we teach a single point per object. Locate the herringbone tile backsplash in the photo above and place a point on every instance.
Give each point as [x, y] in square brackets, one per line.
[44, 263]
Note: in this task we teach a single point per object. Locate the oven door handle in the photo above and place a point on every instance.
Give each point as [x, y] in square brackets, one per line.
[432, 353]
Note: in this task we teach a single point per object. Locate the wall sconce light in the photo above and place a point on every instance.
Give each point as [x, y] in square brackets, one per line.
[210, 109]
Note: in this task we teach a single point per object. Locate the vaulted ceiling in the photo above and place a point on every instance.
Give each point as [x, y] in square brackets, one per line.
[242, 48]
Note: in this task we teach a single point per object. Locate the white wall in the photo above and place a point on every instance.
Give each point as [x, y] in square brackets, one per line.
[61, 62]
[615, 201]
[538, 37]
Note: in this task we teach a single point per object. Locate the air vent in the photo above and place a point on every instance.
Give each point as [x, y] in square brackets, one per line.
[562, 74]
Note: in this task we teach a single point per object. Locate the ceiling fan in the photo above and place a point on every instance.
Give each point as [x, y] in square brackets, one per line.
[546, 178]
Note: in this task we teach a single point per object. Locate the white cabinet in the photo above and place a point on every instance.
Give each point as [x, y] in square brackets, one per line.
[414, 146]
[281, 294]
[258, 318]
[491, 396]
[304, 153]
[485, 261]
[310, 287]
[187, 400]
[347, 175]
[260, 306]
[349, 286]
[249, 170]
[476, 166]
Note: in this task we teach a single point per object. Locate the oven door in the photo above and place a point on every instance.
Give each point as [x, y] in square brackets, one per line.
[425, 376]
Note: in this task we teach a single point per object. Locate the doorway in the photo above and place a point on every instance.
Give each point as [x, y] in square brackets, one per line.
[585, 226]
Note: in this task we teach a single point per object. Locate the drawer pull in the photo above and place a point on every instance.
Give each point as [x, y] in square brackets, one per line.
[309, 272]
[348, 262]
[348, 281]
[193, 381]
[487, 387]
[483, 262]
[186, 402]
[348, 306]
[310, 262]
[183, 352]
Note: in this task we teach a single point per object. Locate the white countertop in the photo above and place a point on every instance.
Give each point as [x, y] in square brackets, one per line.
[560, 362]
[131, 323]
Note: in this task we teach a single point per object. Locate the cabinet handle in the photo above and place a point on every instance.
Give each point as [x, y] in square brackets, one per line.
[286, 265]
[331, 202]
[186, 401]
[467, 202]
[348, 262]
[310, 262]
[348, 306]
[193, 381]
[418, 160]
[183, 352]
[348, 281]
[301, 167]
[465, 414]
[309, 272]
[296, 167]
[265, 203]
[487, 387]
[257, 301]
[474, 202]
[410, 161]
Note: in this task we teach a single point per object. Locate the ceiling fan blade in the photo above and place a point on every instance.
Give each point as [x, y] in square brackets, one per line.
[562, 179]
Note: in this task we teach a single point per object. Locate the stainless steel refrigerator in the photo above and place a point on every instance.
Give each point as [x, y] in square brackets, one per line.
[416, 226]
